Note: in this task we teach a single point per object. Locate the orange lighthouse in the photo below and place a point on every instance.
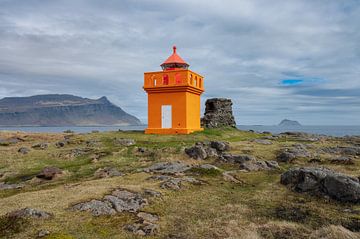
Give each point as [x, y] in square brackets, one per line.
[173, 98]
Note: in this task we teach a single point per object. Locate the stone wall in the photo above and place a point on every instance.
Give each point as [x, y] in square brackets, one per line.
[218, 114]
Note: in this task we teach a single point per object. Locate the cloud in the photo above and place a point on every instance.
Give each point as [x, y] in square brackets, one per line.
[243, 48]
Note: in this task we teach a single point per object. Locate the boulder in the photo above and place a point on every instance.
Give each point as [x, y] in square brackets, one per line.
[151, 193]
[49, 173]
[348, 151]
[218, 114]
[262, 141]
[173, 183]
[256, 165]
[147, 217]
[142, 229]
[11, 140]
[196, 152]
[168, 168]
[322, 181]
[107, 172]
[60, 144]
[220, 146]
[24, 150]
[231, 158]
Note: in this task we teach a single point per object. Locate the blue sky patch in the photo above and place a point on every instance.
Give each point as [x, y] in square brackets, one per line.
[301, 81]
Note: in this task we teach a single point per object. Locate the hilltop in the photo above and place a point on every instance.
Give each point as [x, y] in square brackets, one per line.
[61, 110]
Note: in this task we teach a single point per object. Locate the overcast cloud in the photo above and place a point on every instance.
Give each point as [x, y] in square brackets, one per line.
[275, 59]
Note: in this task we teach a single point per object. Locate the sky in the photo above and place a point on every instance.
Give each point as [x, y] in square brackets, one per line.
[296, 59]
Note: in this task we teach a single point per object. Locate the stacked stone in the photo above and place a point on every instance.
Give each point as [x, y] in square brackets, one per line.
[218, 114]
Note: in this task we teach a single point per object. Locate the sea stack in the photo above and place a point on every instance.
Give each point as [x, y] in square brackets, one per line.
[218, 114]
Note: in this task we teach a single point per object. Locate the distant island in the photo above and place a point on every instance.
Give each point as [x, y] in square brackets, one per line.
[62, 110]
[289, 123]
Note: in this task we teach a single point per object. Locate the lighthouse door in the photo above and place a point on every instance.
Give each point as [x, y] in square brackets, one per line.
[166, 119]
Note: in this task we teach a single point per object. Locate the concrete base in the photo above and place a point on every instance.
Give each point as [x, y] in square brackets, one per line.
[171, 131]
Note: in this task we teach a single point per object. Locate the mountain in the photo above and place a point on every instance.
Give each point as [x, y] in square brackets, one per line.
[289, 123]
[62, 110]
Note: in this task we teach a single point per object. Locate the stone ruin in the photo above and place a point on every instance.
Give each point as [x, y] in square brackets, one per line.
[218, 114]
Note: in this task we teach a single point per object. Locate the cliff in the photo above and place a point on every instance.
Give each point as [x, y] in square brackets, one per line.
[62, 110]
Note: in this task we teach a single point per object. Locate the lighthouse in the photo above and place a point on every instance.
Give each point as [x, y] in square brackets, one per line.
[173, 98]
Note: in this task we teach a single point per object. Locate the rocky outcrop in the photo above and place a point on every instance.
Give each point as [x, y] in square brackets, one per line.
[218, 114]
[119, 200]
[107, 172]
[62, 110]
[249, 162]
[287, 155]
[30, 213]
[322, 181]
[168, 168]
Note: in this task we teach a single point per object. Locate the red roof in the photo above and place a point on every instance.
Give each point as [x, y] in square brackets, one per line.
[174, 58]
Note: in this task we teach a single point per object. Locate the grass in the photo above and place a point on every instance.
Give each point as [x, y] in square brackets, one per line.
[258, 208]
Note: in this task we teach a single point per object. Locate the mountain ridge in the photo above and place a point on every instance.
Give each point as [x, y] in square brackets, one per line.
[62, 110]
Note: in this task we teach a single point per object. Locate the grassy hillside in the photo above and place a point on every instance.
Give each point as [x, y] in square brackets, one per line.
[258, 206]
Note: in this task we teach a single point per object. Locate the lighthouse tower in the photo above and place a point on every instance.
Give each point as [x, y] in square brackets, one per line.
[173, 98]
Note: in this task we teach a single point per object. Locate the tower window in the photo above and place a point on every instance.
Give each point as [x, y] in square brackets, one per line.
[165, 80]
[155, 82]
[177, 78]
[195, 81]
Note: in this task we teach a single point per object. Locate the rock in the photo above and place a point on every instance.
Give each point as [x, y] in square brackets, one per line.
[147, 217]
[196, 152]
[68, 131]
[123, 200]
[218, 113]
[11, 140]
[143, 229]
[93, 143]
[351, 151]
[41, 146]
[230, 158]
[96, 207]
[259, 165]
[49, 173]
[177, 183]
[168, 168]
[208, 167]
[107, 172]
[220, 146]
[342, 160]
[60, 144]
[287, 155]
[43, 233]
[30, 213]
[5, 186]
[262, 141]
[124, 142]
[24, 150]
[152, 193]
[230, 176]
[322, 181]
[204, 150]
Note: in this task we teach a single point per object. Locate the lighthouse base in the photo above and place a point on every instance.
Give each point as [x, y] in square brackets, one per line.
[171, 130]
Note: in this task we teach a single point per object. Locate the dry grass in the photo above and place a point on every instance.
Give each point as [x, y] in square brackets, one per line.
[259, 208]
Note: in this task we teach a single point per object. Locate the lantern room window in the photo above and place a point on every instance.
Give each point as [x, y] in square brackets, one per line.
[165, 80]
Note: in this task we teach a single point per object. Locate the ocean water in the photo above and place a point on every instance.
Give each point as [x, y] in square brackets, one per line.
[325, 130]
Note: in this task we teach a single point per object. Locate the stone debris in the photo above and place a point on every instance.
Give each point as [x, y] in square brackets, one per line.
[218, 114]
[322, 181]
[23, 150]
[249, 162]
[168, 168]
[61, 144]
[107, 172]
[124, 142]
[30, 213]
[119, 200]
[41, 146]
[145, 226]
[49, 173]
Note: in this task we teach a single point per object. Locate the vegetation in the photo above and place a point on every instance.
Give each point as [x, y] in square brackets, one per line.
[260, 207]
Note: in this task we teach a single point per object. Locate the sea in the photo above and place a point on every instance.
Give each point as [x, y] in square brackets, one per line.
[313, 129]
